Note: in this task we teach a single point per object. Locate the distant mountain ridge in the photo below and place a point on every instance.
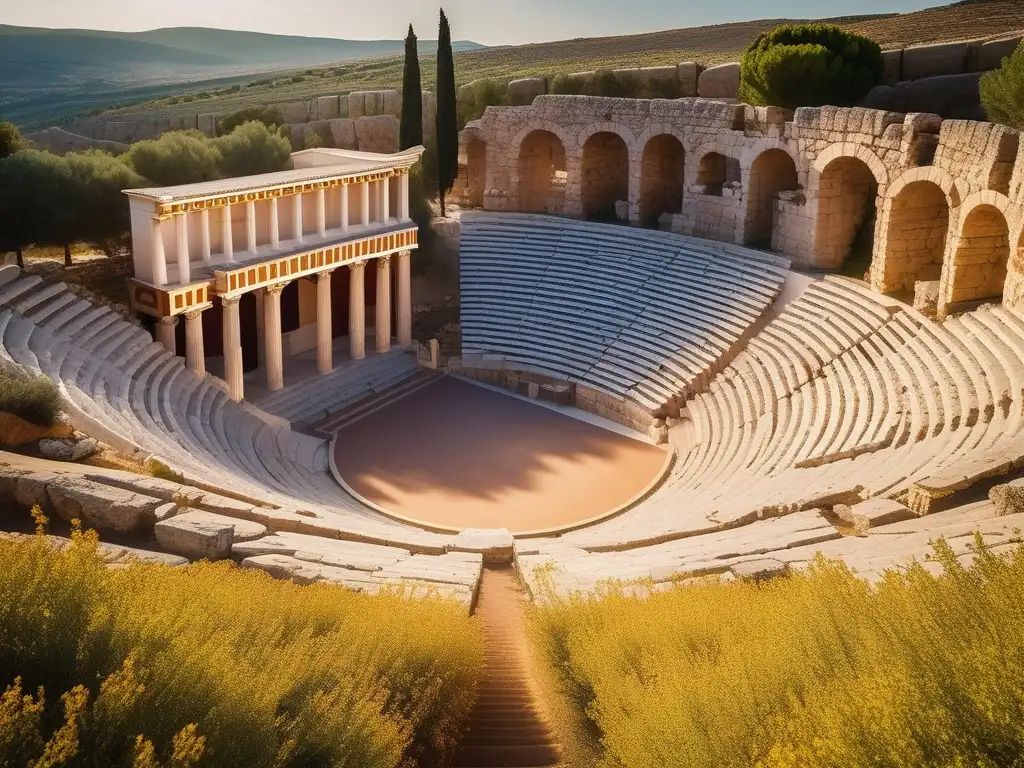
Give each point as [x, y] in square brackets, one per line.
[62, 53]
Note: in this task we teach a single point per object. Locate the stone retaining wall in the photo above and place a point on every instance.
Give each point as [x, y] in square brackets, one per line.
[363, 120]
[497, 372]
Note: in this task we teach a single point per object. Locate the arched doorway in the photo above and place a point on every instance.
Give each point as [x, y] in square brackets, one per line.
[476, 159]
[772, 172]
[661, 178]
[916, 238]
[605, 175]
[542, 173]
[983, 251]
[845, 226]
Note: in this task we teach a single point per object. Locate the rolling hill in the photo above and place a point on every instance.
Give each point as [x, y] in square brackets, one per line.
[41, 67]
[381, 68]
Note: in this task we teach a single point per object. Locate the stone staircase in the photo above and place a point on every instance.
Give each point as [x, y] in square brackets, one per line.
[506, 727]
[340, 418]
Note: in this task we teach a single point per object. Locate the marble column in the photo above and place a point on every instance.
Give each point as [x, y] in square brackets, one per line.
[195, 357]
[364, 204]
[383, 324]
[403, 197]
[357, 310]
[344, 207]
[275, 225]
[297, 217]
[273, 342]
[181, 243]
[204, 219]
[403, 299]
[250, 227]
[165, 333]
[159, 255]
[233, 373]
[321, 213]
[385, 200]
[259, 295]
[324, 332]
[227, 246]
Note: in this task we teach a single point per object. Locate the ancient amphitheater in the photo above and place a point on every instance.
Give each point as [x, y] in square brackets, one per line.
[794, 410]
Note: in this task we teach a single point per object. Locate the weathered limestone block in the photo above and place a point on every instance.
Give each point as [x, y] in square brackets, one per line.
[9, 273]
[951, 96]
[207, 124]
[294, 112]
[872, 513]
[103, 507]
[523, 91]
[391, 103]
[377, 134]
[318, 127]
[926, 298]
[303, 572]
[343, 131]
[429, 114]
[495, 545]
[1009, 498]
[934, 60]
[688, 72]
[892, 61]
[759, 570]
[196, 535]
[327, 107]
[721, 82]
[991, 54]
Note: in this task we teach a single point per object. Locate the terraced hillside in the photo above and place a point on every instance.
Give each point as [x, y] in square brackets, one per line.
[707, 45]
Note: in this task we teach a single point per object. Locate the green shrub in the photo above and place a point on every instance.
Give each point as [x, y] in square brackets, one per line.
[158, 469]
[269, 116]
[817, 669]
[484, 94]
[222, 666]
[1002, 91]
[569, 85]
[35, 399]
[11, 140]
[252, 148]
[809, 65]
[178, 157]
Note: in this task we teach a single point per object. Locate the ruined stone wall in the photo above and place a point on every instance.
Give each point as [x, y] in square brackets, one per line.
[363, 120]
[818, 185]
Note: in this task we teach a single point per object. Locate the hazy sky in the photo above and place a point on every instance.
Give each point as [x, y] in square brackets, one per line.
[491, 22]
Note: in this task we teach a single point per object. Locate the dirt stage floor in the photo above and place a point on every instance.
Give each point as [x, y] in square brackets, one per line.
[459, 455]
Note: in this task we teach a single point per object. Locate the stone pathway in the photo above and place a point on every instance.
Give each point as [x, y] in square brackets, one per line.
[506, 727]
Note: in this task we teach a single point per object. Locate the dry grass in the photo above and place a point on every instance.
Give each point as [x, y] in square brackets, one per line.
[819, 669]
[707, 45]
[131, 666]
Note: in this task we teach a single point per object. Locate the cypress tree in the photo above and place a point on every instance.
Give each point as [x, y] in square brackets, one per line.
[447, 119]
[411, 134]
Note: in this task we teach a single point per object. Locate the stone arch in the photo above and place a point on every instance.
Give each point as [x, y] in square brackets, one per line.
[604, 174]
[981, 250]
[847, 201]
[607, 126]
[476, 160]
[662, 169]
[916, 230]
[542, 172]
[773, 171]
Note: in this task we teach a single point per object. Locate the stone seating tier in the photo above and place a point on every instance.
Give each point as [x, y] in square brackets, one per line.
[141, 399]
[845, 396]
[637, 314]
